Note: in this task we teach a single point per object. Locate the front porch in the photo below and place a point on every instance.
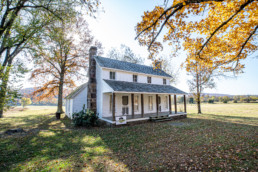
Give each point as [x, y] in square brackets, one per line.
[130, 118]
[139, 106]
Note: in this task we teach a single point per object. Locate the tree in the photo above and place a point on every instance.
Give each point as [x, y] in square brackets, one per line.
[218, 34]
[125, 53]
[25, 101]
[21, 25]
[168, 67]
[201, 78]
[62, 59]
[225, 99]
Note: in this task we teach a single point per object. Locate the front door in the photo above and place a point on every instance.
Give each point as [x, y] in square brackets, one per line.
[159, 102]
[125, 108]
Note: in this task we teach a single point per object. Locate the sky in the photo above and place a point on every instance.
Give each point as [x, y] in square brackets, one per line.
[115, 25]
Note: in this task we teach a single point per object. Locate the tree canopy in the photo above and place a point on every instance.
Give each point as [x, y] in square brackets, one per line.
[217, 33]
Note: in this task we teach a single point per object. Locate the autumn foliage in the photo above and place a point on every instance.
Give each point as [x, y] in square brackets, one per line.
[219, 34]
[63, 58]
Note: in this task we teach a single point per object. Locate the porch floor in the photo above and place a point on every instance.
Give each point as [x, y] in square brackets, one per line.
[145, 116]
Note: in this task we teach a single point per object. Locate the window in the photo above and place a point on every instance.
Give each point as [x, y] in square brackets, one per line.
[112, 75]
[125, 100]
[148, 79]
[110, 103]
[166, 102]
[150, 103]
[135, 77]
[125, 108]
[164, 81]
[136, 103]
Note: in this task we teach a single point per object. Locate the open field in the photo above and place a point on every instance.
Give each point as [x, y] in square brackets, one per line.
[223, 138]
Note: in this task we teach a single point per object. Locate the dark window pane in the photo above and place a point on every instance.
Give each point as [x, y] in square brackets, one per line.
[149, 79]
[164, 81]
[125, 100]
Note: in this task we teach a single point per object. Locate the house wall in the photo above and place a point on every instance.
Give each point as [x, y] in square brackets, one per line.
[128, 77]
[80, 100]
[118, 111]
[69, 107]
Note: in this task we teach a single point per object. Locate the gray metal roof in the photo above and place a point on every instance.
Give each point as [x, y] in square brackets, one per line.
[74, 93]
[142, 87]
[126, 66]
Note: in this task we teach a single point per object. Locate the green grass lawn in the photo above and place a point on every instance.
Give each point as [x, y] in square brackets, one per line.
[223, 138]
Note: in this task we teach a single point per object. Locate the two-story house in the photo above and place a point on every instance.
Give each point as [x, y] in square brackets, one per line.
[117, 88]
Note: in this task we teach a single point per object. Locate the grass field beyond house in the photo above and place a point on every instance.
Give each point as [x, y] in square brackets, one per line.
[223, 138]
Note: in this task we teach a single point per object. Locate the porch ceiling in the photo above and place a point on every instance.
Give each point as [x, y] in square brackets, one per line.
[135, 87]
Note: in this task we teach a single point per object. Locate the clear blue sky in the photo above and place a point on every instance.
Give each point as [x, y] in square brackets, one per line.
[117, 24]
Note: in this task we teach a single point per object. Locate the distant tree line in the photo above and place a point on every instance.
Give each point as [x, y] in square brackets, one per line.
[225, 99]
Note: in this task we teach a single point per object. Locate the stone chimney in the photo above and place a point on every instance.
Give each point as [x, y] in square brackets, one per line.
[158, 64]
[92, 84]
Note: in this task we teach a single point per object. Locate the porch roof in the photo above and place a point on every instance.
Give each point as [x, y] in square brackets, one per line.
[133, 87]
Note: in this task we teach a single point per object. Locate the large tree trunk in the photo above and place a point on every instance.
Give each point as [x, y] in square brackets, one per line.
[198, 94]
[3, 88]
[199, 103]
[60, 97]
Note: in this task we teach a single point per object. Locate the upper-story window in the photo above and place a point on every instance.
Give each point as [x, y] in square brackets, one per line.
[112, 75]
[148, 79]
[135, 78]
[164, 81]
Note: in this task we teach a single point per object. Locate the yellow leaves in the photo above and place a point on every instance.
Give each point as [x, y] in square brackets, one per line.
[221, 48]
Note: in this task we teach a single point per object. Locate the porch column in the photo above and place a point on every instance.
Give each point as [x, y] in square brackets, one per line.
[113, 106]
[142, 104]
[185, 103]
[175, 104]
[169, 100]
[132, 98]
[157, 104]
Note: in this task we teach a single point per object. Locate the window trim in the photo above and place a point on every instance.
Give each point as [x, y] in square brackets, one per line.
[166, 102]
[136, 106]
[112, 75]
[135, 78]
[150, 103]
[164, 81]
[149, 77]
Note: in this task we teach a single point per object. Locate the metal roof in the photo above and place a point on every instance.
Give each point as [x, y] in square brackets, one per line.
[127, 66]
[74, 93]
[122, 86]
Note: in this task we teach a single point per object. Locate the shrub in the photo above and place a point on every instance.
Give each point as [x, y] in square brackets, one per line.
[235, 101]
[225, 101]
[85, 118]
[211, 101]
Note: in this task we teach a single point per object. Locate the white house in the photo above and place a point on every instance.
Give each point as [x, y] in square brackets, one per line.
[118, 89]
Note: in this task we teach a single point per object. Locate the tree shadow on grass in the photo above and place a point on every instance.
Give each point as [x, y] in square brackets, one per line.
[202, 144]
[55, 149]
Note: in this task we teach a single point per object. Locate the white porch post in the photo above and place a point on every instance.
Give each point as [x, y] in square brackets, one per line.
[113, 106]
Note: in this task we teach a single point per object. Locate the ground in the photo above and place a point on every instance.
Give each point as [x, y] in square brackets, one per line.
[223, 138]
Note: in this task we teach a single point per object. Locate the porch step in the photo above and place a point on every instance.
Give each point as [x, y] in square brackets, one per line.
[166, 118]
[160, 118]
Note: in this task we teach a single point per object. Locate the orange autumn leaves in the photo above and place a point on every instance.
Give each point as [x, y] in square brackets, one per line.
[219, 34]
